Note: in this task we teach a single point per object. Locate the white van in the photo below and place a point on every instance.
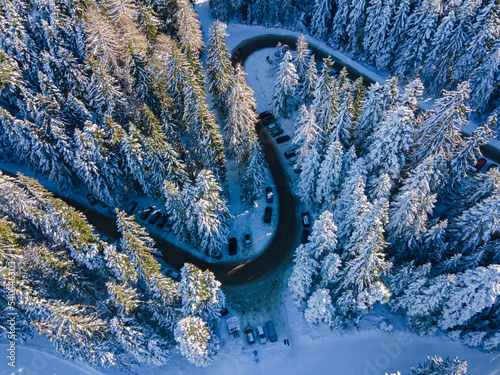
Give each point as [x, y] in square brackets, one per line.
[261, 334]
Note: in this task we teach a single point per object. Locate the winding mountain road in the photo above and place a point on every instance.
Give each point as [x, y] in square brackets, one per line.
[288, 230]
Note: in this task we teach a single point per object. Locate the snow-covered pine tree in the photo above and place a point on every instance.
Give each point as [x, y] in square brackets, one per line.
[307, 134]
[219, 69]
[308, 84]
[357, 20]
[411, 207]
[321, 18]
[306, 188]
[301, 61]
[389, 144]
[438, 366]
[328, 182]
[220, 9]
[484, 82]
[239, 131]
[421, 25]
[197, 343]
[319, 308]
[188, 30]
[255, 176]
[467, 153]
[370, 115]
[439, 134]
[340, 22]
[285, 84]
[207, 217]
[303, 273]
[340, 127]
[201, 294]
[377, 31]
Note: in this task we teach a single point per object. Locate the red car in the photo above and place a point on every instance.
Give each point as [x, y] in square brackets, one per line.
[264, 114]
[480, 163]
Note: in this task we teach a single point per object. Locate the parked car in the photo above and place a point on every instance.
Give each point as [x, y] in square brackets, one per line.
[92, 199]
[154, 218]
[162, 221]
[173, 275]
[283, 138]
[224, 311]
[146, 213]
[274, 126]
[268, 120]
[261, 334]
[480, 163]
[236, 56]
[247, 238]
[276, 132]
[268, 212]
[492, 165]
[305, 236]
[271, 331]
[233, 246]
[297, 169]
[216, 254]
[131, 208]
[104, 238]
[249, 335]
[292, 160]
[289, 153]
[169, 225]
[306, 219]
[264, 114]
[269, 195]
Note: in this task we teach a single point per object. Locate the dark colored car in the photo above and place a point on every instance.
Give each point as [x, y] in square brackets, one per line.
[306, 219]
[276, 132]
[169, 225]
[131, 208]
[146, 213]
[268, 120]
[264, 114]
[217, 254]
[288, 154]
[271, 331]
[297, 169]
[174, 275]
[154, 218]
[269, 195]
[268, 213]
[492, 165]
[92, 199]
[305, 236]
[162, 221]
[233, 246]
[224, 311]
[283, 138]
[480, 163]
[236, 55]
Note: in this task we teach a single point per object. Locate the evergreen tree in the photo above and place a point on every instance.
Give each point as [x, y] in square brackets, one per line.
[197, 343]
[357, 20]
[304, 270]
[436, 365]
[308, 83]
[340, 23]
[321, 18]
[411, 207]
[319, 308]
[377, 31]
[285, 84]
[255, 176]
[219, 69]
[301, 61]
[308, 177]
[307, 134]
[328, 182]
[201, 294]
[188, 29]
[239, 131]
[390, 143]
[439, 134]
[484, 82]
